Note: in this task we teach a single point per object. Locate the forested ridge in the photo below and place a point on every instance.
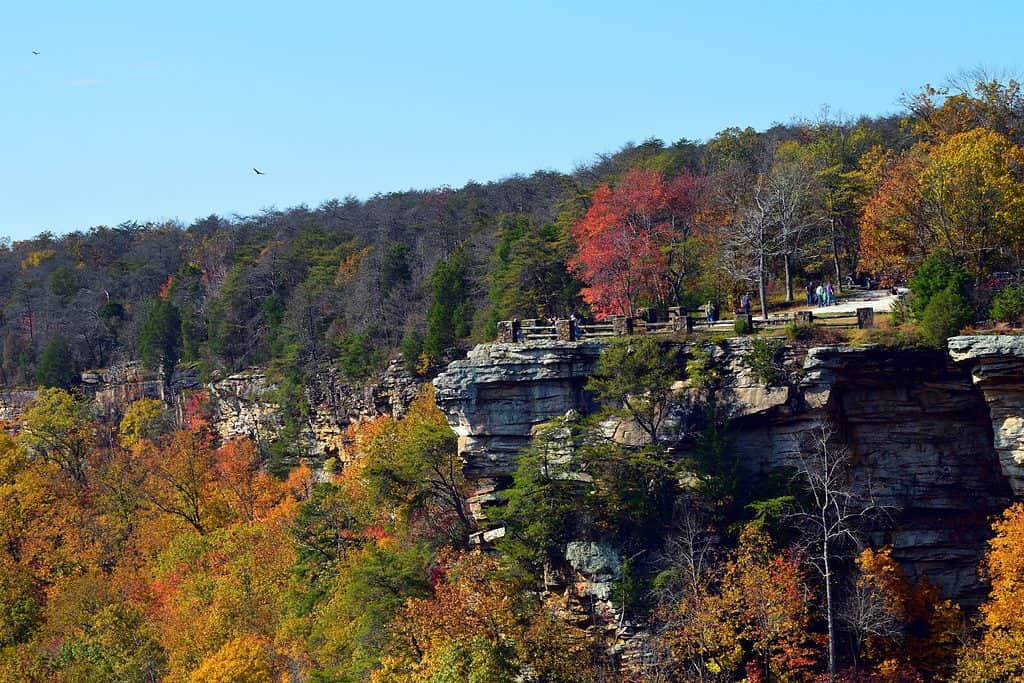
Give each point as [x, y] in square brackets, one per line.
[349, 280]
[154, 549]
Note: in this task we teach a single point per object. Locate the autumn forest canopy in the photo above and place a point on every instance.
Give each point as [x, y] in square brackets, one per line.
[149, 548]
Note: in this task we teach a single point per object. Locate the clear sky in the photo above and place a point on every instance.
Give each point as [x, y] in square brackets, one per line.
[154, 111]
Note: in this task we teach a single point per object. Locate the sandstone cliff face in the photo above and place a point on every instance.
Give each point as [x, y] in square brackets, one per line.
[996, 364]
[111, 390]
[919, 428]
[499, 392]
[243, 406]
[243, 403]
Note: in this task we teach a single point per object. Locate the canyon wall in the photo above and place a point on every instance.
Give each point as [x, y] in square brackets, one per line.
[244, 404]
[937, 439]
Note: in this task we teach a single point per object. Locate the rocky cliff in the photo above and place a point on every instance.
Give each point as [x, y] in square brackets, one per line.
[243, 404]
[938, 439]
[996, 364]
[499, 392]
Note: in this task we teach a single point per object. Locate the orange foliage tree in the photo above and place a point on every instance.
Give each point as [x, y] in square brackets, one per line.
[752, 608]
[180, 479]
[963, 195]
[623, 240]
[249, 491]
[901, 628]
[478, 626]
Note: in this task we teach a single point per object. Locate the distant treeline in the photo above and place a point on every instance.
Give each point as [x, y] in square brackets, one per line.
[418, 273]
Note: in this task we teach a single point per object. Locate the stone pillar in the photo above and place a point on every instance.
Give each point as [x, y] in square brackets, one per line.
[687, 324]
[865, 318]
[804, 317]
[563, 330]
[622, 326]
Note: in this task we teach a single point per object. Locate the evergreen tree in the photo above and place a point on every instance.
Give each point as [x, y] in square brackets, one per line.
[160, 338]
[450, 313]
[55, 366]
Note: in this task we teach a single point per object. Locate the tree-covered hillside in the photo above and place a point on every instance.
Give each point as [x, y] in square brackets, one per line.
[352, 281]
[157, 549]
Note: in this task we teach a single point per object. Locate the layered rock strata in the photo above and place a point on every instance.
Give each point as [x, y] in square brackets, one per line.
[499, 392]
[996, 364]
[918, 427]
[244, 403]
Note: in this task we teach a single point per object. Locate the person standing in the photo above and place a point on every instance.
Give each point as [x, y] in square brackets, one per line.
[709, 311]
[745, 303]
[810, 292]
[819, 296]
[830, 295]
[575, 331]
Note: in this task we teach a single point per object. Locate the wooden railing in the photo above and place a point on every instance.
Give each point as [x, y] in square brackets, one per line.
[676, 322]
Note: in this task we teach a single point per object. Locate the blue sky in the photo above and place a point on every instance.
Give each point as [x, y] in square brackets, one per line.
[155, 111]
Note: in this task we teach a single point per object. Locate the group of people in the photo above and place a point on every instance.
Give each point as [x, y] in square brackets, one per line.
[822, 295]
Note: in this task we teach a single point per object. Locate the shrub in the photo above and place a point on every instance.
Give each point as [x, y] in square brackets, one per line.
[935, 275]
[742, 325]
[905, 336]
[801, 331]
[816, 334]
[1008, 306]
[946, 314]
[761, 361]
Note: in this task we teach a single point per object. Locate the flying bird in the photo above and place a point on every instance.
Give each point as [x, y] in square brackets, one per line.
[257, 171]
[35, 52]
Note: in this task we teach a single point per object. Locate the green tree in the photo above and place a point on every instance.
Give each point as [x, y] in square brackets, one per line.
[160, 337]
[542, 508]
[1008, 305]
[939, 272]
[450, 314]
[55, 365]
[528, 277]
[414, 465]
[57, 428]
[64, 283]
[944, 316]
[634, 377]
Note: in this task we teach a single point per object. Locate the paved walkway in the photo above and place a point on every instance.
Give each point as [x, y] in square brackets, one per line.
[879, 299]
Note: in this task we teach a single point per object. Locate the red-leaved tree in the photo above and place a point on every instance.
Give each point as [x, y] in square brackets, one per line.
[624, 240]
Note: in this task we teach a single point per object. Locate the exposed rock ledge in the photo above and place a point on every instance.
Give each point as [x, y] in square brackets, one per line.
[997, 367]
[919, 426]
[499, 392]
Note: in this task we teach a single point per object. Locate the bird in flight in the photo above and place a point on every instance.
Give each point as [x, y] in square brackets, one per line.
[35, 52]
[257, 171]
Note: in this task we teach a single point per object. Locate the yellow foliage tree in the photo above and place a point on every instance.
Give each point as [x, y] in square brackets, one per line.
[143, 420]
[963, 195]
[247, 659]
[999, 655]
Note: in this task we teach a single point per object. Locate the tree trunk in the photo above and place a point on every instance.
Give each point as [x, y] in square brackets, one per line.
[835, 257]
[789, 278]
[830, 617]
[762, 288]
